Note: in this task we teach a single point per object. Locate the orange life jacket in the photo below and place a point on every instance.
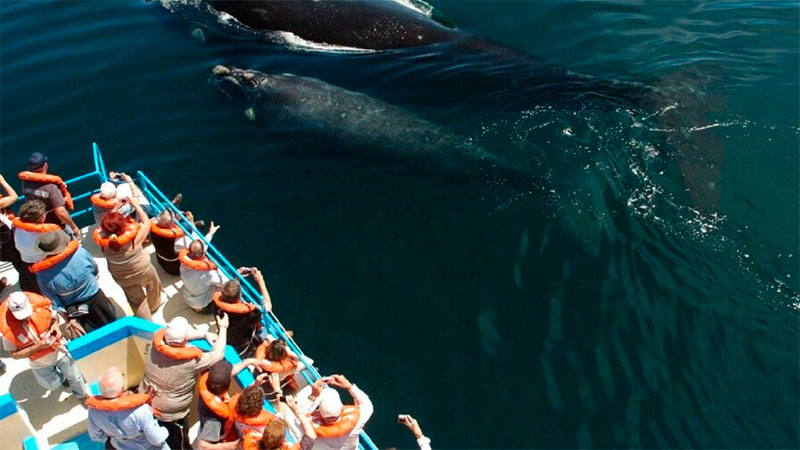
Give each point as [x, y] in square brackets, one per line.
[23, 333]
[220, 406]
[174, 231]
[235, 308]
[204, 264]
[51, 261]
[251, 440]
[125, 401]
[47, 178]
[34, 227]
[343, 426]
[287, 364]
[185, 352]
[131, 230]
[103, 203]
[247, 424]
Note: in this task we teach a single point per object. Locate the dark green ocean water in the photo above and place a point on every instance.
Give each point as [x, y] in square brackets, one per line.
[622, 303]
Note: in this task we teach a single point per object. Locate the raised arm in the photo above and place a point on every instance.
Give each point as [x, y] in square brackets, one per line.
[10, 197]
[144, 230]
[262, 286]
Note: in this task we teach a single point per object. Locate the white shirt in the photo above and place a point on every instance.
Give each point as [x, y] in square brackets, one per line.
[349, 441]
[198, 285]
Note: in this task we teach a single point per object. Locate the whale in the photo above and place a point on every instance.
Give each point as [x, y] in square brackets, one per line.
[357, 24]
[370, 127]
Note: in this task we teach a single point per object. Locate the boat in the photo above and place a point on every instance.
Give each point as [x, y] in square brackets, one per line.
[32, 418]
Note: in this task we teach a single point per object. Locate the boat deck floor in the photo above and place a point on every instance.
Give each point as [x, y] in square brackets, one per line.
[57, 415]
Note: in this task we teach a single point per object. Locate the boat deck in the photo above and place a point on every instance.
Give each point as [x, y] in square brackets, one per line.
[57, 415]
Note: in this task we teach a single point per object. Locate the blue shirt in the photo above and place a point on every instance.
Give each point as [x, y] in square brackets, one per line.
[129, 429]
[70, 281]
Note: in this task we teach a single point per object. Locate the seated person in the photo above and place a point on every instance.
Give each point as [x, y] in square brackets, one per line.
[67, 276]
[278, 358]
[104, 201]
[245, 317]
[200, 277]
[120, 187]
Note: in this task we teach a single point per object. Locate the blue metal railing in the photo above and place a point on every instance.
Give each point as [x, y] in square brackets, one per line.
[159, 202]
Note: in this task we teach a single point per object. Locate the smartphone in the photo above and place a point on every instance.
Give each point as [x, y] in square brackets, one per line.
[327, 380]
[402, 418]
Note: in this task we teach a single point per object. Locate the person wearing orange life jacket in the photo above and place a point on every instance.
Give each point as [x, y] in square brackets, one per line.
[245, 317]
[248, 410]
[278, 358]
[27, 226]
[51, 189]
[8, 251]
[171, 370]
[337, 426]
[217, 431]
[169, 239]
[121, 240]
[30, 330]
[200, 276]
[274, 435]
[67, 276]
[126, 419]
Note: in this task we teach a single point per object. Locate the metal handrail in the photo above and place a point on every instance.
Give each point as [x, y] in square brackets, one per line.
[159, 202]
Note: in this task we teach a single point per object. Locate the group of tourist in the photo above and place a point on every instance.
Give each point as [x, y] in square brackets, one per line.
[58, 281]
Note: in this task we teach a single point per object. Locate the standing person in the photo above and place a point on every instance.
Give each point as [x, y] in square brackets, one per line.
[169, 239]
[200, 276]
[27, 227]
[30, 330]
[51, 189]
[8, 251]
[121, 240]
[67, 276]
[245, 317]
[171, 371]
[338, 426]
[123, 418]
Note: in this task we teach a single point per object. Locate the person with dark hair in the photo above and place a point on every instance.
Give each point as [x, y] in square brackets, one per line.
[274, 434]
[249, 414]
[27, 226]
[68, 277]
[38, 184]
[121, 240]
[278, 358]
[245, 317]
[169, 239]
[8, 251]
[214, 407]
[200, 277]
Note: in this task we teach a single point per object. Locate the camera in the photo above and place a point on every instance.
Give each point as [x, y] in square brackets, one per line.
[402, 418]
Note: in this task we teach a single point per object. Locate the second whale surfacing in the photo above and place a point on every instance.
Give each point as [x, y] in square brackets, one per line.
[359, 123]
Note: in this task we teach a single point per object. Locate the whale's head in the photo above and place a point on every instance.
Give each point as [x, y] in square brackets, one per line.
[249, 82]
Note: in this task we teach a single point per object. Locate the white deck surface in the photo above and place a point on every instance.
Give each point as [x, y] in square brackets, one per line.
[56, 415]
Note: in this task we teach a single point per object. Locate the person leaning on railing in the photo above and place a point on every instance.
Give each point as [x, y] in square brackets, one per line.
[128, 262]
[39, 184]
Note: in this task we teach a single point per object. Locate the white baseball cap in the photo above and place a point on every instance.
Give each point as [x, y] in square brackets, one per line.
[177, 330]
[19, 305]
[330, 404]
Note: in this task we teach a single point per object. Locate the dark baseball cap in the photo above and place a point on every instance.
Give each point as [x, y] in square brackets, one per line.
[36, 161]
